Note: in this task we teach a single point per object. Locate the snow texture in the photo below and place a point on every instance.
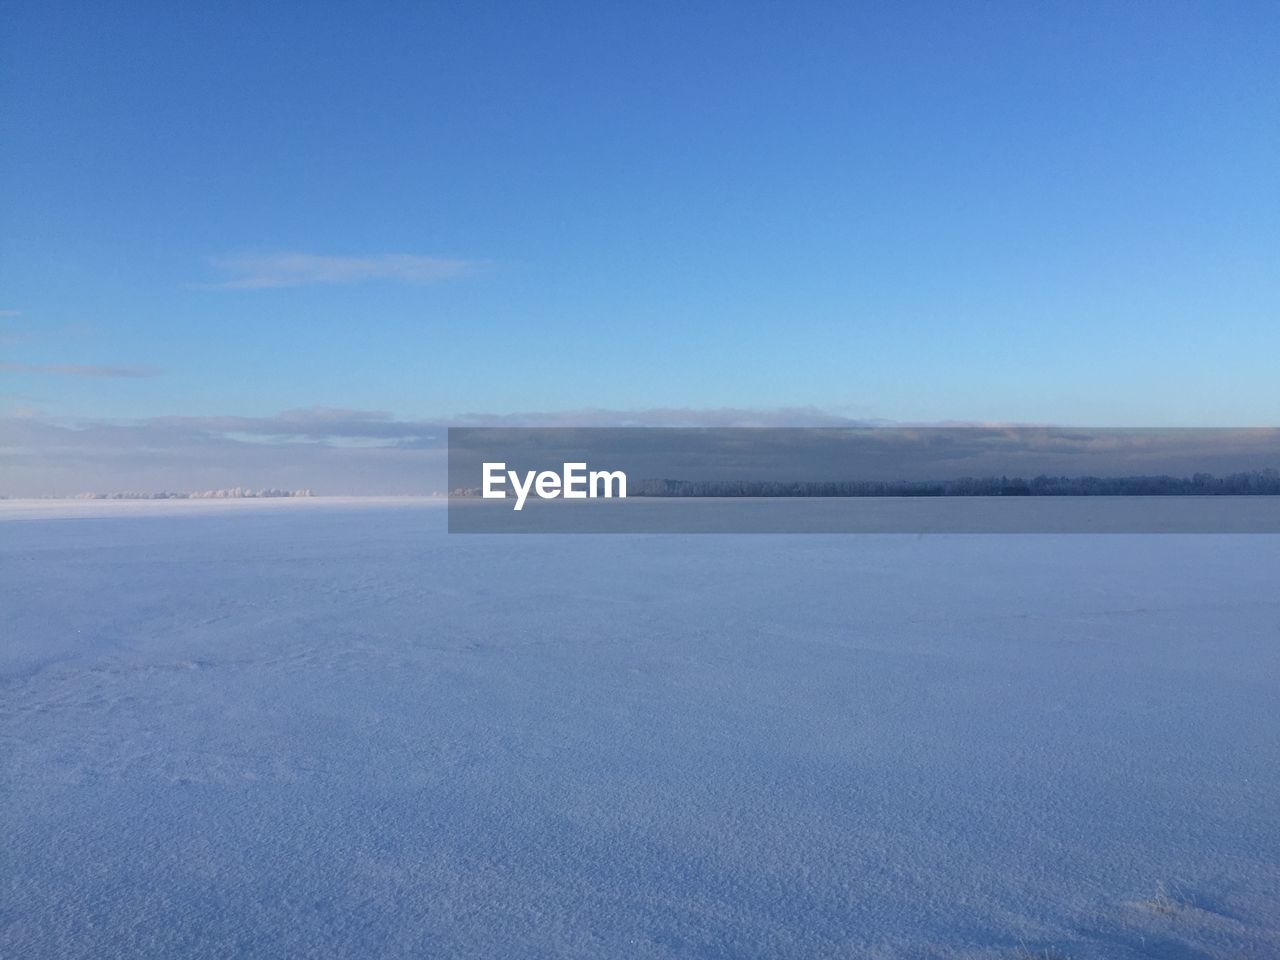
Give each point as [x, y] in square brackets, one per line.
[328, 729]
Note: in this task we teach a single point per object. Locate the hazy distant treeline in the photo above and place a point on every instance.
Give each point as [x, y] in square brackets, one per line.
[1259, 482]
[232, 493]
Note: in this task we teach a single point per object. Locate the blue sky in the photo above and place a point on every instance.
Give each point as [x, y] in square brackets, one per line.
[1035, 212]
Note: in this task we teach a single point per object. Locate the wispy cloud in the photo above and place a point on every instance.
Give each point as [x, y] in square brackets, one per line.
[311, 424]
[668, 417]
[9, 314]
[266, 271]
[79, 370]
[331, 451]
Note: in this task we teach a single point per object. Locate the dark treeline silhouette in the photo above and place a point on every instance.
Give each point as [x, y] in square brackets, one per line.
[1258, 482]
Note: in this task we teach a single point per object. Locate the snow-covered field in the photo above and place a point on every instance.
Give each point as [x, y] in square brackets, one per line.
[328, 729]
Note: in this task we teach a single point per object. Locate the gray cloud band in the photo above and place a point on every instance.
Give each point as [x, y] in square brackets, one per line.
[343, 451]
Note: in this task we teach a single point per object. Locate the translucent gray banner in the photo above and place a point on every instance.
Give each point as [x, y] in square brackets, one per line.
[864, 480]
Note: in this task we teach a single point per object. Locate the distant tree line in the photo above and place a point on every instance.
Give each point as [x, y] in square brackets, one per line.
[1258, 482]
[232, 493]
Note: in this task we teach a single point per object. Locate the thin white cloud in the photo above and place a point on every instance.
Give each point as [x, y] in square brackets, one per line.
[79, 370]
[9, 314]
[668, 417]
[273, 270]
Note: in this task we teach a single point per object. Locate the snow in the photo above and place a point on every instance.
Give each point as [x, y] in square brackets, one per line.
[329, 729]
